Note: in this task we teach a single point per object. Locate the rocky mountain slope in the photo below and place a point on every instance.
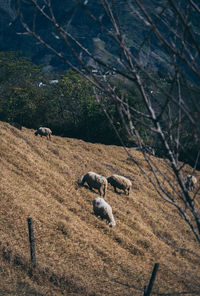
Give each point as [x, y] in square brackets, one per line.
[73, 18]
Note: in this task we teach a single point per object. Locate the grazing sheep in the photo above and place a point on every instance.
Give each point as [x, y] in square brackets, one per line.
[190, 182]
[95, 181]
[120, 182]
[44, 131]
[103, 210]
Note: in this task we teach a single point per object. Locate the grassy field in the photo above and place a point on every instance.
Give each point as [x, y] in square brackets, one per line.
[76, 253]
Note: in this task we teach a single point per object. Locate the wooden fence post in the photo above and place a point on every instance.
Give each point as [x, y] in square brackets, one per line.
[32, 241]
[147, 291]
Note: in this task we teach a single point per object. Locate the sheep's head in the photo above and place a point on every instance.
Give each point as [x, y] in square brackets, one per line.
[112, 224]
[109, 179]
[36, 133]
[80, 180]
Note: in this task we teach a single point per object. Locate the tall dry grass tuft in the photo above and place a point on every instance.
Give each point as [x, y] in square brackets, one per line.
[77, 253]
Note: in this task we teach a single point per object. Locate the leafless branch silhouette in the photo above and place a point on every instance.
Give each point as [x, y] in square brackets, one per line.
[166, 109]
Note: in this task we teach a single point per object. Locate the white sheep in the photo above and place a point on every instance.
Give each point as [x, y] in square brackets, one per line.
[120, 182]
[95, 181]
[103, 210]
[190, 182]
[44, 131]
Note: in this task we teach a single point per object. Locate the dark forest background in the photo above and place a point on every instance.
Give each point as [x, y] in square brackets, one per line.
[38, 89]
[65, 102]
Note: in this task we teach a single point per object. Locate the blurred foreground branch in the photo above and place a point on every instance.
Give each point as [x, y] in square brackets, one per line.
[162, 65]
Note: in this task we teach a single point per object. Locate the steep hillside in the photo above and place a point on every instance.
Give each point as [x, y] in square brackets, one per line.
[76, 253]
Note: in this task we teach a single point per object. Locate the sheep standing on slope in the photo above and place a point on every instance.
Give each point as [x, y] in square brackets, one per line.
[95, 181]
[44, 131]
[103, 210]
[190, 182]
[120, 182]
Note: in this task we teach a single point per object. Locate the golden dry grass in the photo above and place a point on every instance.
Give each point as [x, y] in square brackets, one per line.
[78, 254]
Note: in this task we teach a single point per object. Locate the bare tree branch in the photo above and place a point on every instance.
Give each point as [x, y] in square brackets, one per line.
[166, 112]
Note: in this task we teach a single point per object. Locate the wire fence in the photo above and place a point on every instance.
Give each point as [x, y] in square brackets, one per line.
[161, 273]
[192, 287]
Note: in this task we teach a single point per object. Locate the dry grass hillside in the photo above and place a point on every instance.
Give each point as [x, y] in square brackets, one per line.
[76, 252]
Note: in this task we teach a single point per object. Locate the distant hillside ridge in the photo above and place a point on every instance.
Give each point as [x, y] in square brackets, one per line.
[14, 37]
